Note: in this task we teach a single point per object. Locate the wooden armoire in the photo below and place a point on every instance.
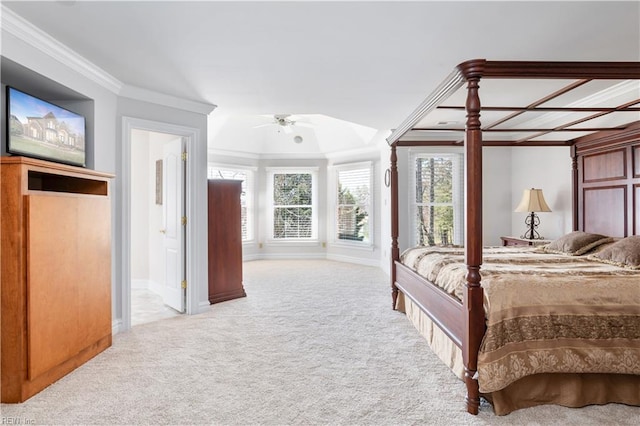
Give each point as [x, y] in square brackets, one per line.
[225, 240]
[56, 272]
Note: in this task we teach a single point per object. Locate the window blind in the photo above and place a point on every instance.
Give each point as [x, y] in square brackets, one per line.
[354, 195]
[292, 205]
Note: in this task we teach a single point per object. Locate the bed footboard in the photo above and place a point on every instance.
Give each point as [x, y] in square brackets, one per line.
[443, 309]
[447, 312]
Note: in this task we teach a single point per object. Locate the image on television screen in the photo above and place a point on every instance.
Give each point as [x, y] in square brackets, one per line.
[39, 129]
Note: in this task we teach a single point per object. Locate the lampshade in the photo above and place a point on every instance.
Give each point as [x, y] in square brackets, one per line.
[532, 201]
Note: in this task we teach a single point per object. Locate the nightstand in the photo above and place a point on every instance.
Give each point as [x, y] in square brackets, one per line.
[516, 241]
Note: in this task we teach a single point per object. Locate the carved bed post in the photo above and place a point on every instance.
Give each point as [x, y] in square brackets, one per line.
[473, 296]
[395, 251]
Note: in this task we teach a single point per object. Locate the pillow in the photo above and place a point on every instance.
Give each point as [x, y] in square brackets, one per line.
[576, 243]
[625, 253]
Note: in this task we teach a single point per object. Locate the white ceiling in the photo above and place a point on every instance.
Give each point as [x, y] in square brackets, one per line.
[369, 63]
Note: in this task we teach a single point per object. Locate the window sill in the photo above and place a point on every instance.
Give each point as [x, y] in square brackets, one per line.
[293, 243]
[353, 245]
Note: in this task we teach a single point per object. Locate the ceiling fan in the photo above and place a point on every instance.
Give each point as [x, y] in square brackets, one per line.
[285, 122]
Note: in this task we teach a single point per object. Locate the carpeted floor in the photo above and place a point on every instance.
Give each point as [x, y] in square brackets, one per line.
[314, 343]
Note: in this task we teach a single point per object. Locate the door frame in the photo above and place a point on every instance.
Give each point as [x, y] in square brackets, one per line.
[193, 265]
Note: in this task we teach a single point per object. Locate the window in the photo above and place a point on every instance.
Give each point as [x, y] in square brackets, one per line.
[293, 199]
[437, 201]
[222, 172]
[353, 203]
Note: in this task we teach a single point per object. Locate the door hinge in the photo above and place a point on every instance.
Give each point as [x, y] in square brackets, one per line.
[184, 156]
[183, 284]
[183, 220]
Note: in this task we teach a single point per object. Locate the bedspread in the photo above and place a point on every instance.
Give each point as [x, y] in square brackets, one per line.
[545, 313]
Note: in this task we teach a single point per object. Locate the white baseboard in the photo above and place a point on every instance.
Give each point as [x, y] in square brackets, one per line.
[116, 326]
[293, 256]
[250, 257]
[203, 307]
[290, 256]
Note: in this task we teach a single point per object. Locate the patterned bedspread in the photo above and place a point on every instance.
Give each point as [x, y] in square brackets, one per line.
[546, 313]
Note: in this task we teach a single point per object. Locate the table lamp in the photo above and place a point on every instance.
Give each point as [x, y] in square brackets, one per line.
[532, 202]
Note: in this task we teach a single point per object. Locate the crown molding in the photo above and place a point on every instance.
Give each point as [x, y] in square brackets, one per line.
[138, 93]
[268, 156]
[356, 152]
[233, 154]
[230, 165]
[360, 152]
[32, 35]
[293, 156]
[24, 30]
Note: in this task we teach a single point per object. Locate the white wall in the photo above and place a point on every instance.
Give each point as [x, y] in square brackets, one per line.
[263, 247]
[496, 192]
[28, 56]
[549, 169]
[140, 184]
[105, 103]
[506, 172]
[35, 51]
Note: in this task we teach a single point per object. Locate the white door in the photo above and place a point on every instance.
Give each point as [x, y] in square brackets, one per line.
[173, 293]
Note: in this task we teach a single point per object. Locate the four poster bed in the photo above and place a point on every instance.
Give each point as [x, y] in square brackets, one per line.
[556, 324]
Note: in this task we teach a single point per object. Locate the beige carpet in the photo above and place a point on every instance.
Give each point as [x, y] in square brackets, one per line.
[314, 343]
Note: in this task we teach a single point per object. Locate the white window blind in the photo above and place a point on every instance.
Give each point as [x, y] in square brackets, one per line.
[293, 206]
[242, 175]
[437, 201]
[353, 204]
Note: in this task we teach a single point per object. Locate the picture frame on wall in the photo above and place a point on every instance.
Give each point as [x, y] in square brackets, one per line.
[159, 182]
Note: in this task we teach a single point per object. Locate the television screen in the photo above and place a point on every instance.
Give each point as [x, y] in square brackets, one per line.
[39, 129]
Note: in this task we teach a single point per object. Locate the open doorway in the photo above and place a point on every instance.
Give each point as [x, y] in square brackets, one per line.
[195, 254]
[157, 234]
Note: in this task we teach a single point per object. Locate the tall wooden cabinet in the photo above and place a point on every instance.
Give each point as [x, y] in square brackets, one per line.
[225, 240]
[56, 272]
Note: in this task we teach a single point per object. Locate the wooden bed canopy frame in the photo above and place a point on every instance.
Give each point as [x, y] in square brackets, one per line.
[464, 322]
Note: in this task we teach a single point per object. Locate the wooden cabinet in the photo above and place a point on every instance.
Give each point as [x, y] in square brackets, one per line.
[225, 240]
[56, 272]
[516, 241]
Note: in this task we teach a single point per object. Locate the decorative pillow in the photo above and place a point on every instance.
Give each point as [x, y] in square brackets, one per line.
[625, 253]
[576, 243]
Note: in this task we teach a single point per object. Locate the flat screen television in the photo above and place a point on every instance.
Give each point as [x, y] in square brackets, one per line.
[40, 129]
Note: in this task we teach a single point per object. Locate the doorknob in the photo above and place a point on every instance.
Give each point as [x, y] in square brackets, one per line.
[163, 231]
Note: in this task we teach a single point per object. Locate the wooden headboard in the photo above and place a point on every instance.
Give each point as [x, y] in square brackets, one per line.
[607, 182]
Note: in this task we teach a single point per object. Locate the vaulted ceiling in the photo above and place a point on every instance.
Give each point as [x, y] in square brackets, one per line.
[368, 63]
